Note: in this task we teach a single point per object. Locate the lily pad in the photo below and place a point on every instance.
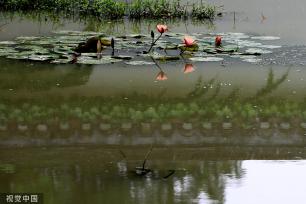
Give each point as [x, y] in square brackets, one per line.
[271, 46]
[252, 60]
[42, 57]
[27, 38]
[192, 48]
[60, 61]
[206, 59]
[7, 51]
[123, 57]
[158, 56]
[210, 50]
[8, 43]
[265, 37]
[137, 63]
[254, 51]
[227, 49]
[92, 61]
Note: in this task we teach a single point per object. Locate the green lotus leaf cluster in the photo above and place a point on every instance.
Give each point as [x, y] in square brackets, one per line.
[63, 46]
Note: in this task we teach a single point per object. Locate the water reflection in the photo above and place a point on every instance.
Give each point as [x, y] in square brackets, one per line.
[188, 68]
[83, 182]
[195, 182]
[80, 175]
[24, 76]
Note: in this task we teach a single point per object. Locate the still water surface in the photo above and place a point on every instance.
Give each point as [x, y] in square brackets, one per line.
[88, 175]
[103, 175]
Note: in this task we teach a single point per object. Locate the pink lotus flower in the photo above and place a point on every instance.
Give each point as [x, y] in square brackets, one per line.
[162, 28]
[161, 76]
[218, 41]
[189, 41]
[188, 68]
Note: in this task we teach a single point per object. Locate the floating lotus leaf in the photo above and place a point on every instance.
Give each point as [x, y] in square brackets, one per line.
[247, 43]
[60, 61]
[8, 43]
[136, 63]
[193, 48]
[254, 51]
[59, 48]
[63, 50]
[265, 38]
[210, 50]
[43, 41]
[90, 54]
[103, 60]
[4, 51]
[72, 38]
[123, 57]
[20, 55]
[270, 46]
[79, 33]
[42, 57]
[137, 36]
[252, 60]
[206, 59]
[167, 46]
[27, 38]
[227, 49]
[241, 56]
[158, 56]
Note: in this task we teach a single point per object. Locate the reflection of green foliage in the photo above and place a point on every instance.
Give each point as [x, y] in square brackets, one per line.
[117, 111]
[271, 84]
[203, 103]
[201, 88]
[71, 171]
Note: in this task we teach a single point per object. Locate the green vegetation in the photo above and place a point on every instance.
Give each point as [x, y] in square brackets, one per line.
[113, 9]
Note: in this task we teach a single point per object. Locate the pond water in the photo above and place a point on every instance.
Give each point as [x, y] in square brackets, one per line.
[50, 105]
[201, 175]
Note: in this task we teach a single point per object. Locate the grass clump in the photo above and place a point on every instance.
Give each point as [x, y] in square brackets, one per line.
[108, 9]
[156, 9]
[113, 9]
[203, 11]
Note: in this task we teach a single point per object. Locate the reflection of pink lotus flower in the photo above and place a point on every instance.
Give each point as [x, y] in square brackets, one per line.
[162, 28]
[189, 41]
[218, 41]
[188, 68]
[161, 76]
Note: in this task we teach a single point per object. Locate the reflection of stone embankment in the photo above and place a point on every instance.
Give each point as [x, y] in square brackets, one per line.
[227, 133]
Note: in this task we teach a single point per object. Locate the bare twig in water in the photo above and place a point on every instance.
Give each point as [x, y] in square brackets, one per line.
[146, 157]
[171, 172]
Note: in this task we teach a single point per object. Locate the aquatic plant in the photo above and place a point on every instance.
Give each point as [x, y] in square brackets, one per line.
[61, 48]
[218, 41]
[161, 29]
[108, 9]
[156, 9]
[203, 11]
[113, 9]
